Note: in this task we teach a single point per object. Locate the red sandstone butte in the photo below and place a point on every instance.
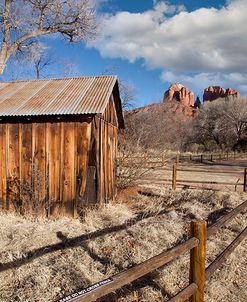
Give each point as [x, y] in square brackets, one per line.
[215, 92]
[181, 94]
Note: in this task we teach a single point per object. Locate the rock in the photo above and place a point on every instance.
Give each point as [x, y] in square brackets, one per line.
[179, 93]
[172, 215]
[197, 102]
[215, 92]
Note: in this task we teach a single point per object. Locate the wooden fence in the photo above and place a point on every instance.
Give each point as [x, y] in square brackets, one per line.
[150, 163]
[235, 184]
[186, 157]
[210, 157]
[198, 272]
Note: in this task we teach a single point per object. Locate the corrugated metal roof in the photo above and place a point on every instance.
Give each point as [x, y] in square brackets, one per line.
[82, 95]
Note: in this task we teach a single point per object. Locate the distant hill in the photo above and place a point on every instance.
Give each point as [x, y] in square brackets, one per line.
[177, 99]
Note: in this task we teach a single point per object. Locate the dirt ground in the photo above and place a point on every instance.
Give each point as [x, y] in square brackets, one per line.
[225, 175]
[45, 260]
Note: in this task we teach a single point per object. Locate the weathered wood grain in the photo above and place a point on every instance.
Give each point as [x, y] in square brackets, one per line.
[39, 160]
[48, 159]
[217, 263]
[54, 167]
[3, 171]
[198, 260]
[218, 224]
[13, 183]
[137, 271]
[69, 169]
[83, 149]
[184, 294]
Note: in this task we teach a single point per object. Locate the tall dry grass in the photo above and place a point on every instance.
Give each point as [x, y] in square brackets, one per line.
[43, 260]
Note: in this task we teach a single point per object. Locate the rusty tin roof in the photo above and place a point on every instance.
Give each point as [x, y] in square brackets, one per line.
[66, 96]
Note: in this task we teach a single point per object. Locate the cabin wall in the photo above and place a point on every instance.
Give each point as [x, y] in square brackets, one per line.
[43, 166]
[55, 167]
[107, 134]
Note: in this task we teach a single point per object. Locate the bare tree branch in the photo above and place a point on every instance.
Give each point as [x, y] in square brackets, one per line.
[23, 21]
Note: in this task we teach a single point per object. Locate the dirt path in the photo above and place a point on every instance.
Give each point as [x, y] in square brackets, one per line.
[222, 175]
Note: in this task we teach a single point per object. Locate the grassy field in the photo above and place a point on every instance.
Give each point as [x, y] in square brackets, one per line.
[44, 260]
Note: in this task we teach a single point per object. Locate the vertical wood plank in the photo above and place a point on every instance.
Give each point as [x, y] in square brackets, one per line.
[13, 170]
[102, 174]
[110, 166]
[3, 174]
[20, 158]
[6, 164]
[198, 260]
[245, 180]
[115, 160]
[47, 170]
[74, 188]
[69, 177]
[40, 182]
[54, 167]
[83, 149]
[97, 123]
[105, 161]
[26, 166]
[34, 201]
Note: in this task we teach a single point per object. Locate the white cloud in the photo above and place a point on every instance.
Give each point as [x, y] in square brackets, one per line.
[204, 79]
[209, 43]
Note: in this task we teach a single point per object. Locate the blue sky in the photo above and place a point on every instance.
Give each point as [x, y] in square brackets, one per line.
[150, 44]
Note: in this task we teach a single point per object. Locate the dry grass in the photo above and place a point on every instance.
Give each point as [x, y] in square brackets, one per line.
[43, 260]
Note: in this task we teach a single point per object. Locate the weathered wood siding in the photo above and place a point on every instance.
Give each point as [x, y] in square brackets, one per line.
[107, 132]
[43, 166]
[56, 166]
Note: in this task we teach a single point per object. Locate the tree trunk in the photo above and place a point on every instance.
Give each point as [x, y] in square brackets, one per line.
[3, 59]
[2, 67]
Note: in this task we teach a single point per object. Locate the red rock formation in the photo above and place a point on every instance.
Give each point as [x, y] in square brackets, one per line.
[179, 93]
[197, 102]
[215, 92]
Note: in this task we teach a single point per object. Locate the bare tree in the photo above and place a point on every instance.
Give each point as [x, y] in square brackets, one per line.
[69, 69]
[127, 90]
[41, 63]
[127, 93]
[220, 124]
[23, 21]
[236, 117]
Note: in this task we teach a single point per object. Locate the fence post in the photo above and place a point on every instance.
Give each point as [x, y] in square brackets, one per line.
[174, 177]
[245, 180]
[198, 259]
[211, 157]
[201, 158]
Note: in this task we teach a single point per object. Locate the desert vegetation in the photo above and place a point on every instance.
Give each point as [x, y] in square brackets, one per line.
[221, 124]
[217, 125]
[43, 260]
[54, 162]
[158, 128]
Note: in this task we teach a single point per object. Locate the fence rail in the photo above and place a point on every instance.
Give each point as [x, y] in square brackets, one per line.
[180, 157]
[198, 273]
[181, 163]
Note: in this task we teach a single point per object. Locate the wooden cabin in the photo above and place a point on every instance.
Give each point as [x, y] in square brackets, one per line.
[58, 144]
